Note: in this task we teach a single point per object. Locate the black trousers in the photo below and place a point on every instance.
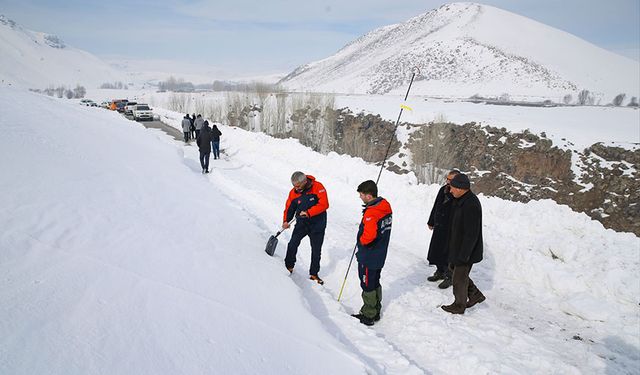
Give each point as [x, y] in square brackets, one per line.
[204, 160]
[316, 237]
[463, 286]
[186, 136]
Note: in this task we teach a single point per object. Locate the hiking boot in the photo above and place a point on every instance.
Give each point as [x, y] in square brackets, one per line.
[438, 275]
[364, 320]
[377, 317]
[453, 308]
[445, 283]
[475, 299]
[316, 279]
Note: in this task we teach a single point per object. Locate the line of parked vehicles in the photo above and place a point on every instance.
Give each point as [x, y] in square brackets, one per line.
[139, 111]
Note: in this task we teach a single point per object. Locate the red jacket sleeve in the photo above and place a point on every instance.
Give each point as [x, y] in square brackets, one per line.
[290, 198]
[370, 229]
[323, 200]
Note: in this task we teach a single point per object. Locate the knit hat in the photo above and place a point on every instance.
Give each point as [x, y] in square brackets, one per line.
[460, 181]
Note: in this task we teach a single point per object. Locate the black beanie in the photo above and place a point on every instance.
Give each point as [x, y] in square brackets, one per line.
[460, 181]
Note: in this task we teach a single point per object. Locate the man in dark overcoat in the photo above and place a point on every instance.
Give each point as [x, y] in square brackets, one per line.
[439, 223]
[465, 244]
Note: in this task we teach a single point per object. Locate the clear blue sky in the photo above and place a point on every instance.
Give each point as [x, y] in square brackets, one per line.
[261, 36]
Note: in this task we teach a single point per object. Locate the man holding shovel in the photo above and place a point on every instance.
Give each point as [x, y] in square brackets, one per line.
[308, 203]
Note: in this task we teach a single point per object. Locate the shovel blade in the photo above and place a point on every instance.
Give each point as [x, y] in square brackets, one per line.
[271, 245]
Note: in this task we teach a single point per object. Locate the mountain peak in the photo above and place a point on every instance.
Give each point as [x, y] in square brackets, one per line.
[467, 48]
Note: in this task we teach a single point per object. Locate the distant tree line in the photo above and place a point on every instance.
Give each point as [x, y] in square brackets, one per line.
[585, 97]
[115, 85]
[173, 84]
[63, 92]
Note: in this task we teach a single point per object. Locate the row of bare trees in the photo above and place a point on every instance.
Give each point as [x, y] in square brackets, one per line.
[63, 92]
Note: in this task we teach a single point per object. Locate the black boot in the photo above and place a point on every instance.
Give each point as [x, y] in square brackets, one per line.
[438, 275]
[364, 320]
[446, 282]
[475, 299]
[453, 308]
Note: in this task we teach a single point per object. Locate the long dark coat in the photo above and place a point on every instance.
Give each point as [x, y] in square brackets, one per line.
[465, 230]
[439, 220]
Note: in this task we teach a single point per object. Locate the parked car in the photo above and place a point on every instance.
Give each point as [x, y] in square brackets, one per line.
[142, 112]
[105, 104]
[128, 108]
[120, 104]
[88, 103]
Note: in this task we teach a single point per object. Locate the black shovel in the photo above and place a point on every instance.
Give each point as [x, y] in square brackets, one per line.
[273, 241]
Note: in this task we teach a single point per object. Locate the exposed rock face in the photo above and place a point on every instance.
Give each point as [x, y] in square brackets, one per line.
[514, 166]
[524, 166]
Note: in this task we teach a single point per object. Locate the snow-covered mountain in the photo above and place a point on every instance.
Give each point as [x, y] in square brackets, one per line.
[37, 60]
[464, 49]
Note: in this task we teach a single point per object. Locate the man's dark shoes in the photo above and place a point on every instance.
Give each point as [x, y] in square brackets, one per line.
[453, 308]
[475, 299]
[445, 283]
[316, 279]
[436, 276]
[364, 320]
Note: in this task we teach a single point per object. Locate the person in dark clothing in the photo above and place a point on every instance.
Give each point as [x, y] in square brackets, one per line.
[372, 242]
[308, 203]
[215, 143]
[192, 128]
[186, 123]
[204, 144]
[439, 224]
[465, 244]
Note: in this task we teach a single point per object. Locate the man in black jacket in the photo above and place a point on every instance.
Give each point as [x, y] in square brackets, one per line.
[439, 224]
[204, 144]
[465, 244]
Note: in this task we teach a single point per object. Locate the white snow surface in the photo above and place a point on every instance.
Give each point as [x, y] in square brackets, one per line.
[36, 60]
[118, 257]
[463, 49]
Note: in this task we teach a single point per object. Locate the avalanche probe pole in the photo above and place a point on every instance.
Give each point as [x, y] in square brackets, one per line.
[402, 107]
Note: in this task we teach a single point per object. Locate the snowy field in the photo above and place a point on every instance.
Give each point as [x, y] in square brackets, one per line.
[118, 257]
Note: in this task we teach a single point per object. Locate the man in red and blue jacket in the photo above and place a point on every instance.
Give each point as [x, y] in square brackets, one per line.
[308, 203]
[372, 241]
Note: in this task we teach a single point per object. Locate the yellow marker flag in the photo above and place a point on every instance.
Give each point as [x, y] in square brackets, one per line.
[406, 107]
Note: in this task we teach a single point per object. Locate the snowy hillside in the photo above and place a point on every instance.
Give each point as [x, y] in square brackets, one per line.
[33, 59]
[464, 49]
[118, 256]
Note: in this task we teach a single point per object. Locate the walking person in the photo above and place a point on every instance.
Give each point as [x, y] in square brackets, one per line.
[192, 128]
[465, 244]
[372, 242]
[198, 123]
[204, 144]
[215, 142]
[186, 124]
[439, 223]
[308, 203]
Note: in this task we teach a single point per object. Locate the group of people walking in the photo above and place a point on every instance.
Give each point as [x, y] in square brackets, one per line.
[207, 138]
[456, 243]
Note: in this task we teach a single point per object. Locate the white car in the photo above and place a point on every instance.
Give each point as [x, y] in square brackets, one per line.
[142, 112]
[128, 108]
[88, 103]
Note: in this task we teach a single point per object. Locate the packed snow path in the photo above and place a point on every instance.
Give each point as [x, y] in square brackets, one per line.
[550, 305]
